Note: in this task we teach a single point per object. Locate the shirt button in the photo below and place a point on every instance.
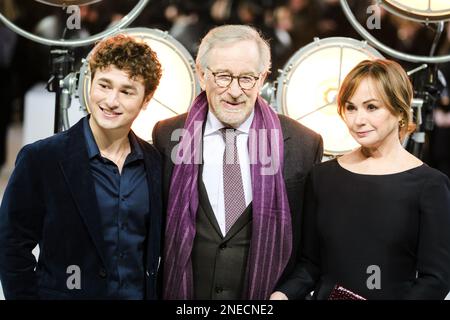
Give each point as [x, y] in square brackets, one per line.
[219, 289]
[102, 273]
[122, 198]
[223, 246]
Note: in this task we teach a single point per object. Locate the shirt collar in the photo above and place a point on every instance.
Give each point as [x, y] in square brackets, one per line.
[93, 150]
[213, 124]
[135, 146]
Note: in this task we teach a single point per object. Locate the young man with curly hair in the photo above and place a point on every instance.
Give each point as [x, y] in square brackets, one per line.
[89, 196]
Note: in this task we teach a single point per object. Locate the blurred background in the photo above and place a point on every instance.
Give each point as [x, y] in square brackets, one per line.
[289, 25]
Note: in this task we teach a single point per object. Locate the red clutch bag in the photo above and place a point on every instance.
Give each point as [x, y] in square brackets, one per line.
[340, 293]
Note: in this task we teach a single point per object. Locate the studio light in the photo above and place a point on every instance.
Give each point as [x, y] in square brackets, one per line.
[419, 10]
[309, 83]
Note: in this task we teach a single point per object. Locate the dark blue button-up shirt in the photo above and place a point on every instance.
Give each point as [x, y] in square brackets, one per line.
[123, 201]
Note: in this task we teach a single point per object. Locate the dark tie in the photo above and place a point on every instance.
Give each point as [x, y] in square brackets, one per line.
[233, 189]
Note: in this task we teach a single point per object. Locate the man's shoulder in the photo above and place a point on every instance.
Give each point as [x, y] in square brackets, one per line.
[57, 143]
[163, 129]
[148, 148]
[173, 123]
[292, 127]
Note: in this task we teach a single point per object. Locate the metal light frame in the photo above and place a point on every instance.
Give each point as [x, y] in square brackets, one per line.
[379, 45]
[412, 12]
[124, 22]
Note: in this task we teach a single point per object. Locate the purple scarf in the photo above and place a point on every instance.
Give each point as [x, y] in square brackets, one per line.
[271, 242]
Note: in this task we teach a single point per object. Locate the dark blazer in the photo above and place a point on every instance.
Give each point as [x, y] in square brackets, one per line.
[50, 200]
[214, 255]
[302, 149]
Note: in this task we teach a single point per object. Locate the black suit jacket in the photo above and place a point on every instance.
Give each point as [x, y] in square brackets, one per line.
[302, 149]
[50, 200]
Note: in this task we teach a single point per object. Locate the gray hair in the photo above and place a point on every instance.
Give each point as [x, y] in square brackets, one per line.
[228, 34]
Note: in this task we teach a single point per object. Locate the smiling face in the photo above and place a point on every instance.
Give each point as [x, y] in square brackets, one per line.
[115, 100]
[368, 119]
[232, 105]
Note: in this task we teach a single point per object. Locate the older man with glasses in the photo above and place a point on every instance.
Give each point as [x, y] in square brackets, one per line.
[233, 177]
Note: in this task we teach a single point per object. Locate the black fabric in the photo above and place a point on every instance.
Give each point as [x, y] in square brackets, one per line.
[352, 222]
[213, 255]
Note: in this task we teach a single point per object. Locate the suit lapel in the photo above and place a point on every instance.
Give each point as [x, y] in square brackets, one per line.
[153, 172]
[241, 222]
[76, 171]
[286, 149]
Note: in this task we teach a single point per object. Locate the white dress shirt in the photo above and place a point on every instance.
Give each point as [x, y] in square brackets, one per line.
[213, 149]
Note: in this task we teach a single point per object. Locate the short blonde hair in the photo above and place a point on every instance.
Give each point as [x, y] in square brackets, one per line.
[391, 82]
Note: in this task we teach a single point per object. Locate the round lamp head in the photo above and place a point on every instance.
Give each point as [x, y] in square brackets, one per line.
[419, 10]
[308, 86]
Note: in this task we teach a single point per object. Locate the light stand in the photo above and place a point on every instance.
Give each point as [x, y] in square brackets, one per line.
[426, 93]
[61, 83]
[63, 80]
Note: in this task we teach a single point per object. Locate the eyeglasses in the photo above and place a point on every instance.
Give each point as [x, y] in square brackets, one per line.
[224, 80]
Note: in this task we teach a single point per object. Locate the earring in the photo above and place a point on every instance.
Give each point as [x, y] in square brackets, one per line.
[402, 123]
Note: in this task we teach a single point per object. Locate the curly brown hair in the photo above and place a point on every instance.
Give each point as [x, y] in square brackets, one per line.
[126, 53]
